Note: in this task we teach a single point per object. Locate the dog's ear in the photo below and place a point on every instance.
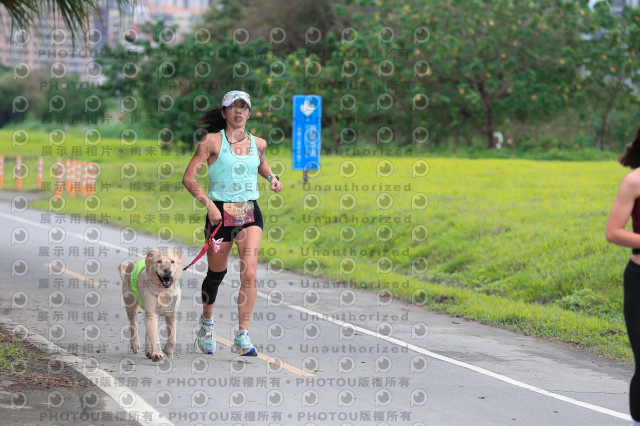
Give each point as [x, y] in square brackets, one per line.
[122, 268]
[177, 253]
[151, 256]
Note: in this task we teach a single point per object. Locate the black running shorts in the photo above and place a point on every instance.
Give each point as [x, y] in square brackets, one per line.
[228, 233]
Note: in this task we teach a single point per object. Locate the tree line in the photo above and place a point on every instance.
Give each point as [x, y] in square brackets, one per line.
[391, 73]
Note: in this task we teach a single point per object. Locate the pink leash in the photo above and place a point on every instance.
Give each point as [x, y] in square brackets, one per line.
[216, 247]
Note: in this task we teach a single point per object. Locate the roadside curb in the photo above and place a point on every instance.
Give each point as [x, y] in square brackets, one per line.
[130, 402]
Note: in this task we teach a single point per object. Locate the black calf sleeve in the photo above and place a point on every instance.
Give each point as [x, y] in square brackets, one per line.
[210, 286]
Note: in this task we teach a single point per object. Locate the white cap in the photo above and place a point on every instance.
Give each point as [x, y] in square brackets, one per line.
[234, 95]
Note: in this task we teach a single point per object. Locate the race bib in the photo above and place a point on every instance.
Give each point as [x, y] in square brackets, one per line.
[237, 214]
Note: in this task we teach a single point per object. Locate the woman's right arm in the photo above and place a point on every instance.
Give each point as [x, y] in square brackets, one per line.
[621, 212]
[205, 149]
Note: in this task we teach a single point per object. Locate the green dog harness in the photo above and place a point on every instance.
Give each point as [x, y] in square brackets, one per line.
[135, 272]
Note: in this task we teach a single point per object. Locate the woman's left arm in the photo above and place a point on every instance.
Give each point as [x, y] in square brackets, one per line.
[263, 169]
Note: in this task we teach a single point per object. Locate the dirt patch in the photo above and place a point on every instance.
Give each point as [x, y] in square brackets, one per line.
[25, 367]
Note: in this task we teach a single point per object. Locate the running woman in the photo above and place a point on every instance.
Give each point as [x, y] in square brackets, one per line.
[234, 158]
[627, 205]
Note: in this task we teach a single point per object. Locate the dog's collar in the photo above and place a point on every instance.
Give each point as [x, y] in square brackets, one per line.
[165, 300]
[166, 304]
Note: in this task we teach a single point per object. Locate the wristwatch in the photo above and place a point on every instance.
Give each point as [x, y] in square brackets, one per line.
[272, 175]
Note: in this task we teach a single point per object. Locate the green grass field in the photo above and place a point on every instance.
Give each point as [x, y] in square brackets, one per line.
[514, 243]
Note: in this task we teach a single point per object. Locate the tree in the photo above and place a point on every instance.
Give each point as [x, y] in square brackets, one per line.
[287, 26]
[504, 56]
[66, 101]
[609, 58]
[171, 85]
[75, 14]
[21, 98]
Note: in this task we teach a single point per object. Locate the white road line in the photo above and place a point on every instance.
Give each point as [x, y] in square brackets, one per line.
[45, 226]
[463, 364]
[130, 401]
[402, 343]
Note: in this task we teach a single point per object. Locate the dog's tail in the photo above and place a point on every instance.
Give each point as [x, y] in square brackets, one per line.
[122, 268]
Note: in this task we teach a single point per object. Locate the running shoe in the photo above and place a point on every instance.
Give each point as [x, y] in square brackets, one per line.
[207, 336]
[242, 344]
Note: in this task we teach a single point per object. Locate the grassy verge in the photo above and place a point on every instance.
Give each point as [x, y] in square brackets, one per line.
[24, 367]
[14, 356]
[514, 243]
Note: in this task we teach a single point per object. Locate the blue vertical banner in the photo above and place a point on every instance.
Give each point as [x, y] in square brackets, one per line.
[307, 114]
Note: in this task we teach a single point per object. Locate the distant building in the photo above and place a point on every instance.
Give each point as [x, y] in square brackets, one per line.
[48, 44]
[183, 13]
[616, 8]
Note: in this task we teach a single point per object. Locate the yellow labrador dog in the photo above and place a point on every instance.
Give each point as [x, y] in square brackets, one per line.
[151, 284]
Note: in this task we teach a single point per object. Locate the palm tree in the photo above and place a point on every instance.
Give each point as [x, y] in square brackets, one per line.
[75, 14]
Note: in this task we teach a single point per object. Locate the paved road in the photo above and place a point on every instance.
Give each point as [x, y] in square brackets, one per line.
[329, 354]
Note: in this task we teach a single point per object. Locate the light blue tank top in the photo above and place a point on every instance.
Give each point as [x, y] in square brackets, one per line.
[234, 178]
